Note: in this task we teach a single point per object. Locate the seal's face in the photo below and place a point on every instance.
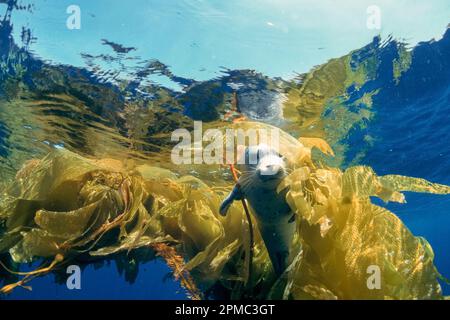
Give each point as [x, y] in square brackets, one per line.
[263, 167]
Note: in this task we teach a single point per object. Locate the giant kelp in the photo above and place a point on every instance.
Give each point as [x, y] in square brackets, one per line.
[65, 205]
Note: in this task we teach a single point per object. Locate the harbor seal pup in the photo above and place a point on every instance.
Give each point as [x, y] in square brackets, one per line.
[262, 171]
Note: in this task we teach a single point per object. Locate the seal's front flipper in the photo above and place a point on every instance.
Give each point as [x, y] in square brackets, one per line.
[235, 194]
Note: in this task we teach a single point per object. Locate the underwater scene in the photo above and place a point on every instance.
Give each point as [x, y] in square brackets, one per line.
[224, 150]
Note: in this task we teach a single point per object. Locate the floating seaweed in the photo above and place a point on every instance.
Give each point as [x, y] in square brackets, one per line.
[64, 206]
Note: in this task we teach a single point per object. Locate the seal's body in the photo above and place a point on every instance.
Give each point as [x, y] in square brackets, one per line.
[262, 171]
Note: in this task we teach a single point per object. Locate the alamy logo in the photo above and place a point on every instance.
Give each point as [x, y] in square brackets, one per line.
[73, 22]
[373, 18]
[222, 146]
[374, 280]
[74, 280]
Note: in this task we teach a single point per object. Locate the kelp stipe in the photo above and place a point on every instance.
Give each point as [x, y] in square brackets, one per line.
[28, 276]
[176, 263]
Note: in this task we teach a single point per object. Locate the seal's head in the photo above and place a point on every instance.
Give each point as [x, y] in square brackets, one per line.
[261, 166]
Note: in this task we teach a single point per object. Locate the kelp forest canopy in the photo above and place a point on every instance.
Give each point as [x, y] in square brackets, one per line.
[66, 208]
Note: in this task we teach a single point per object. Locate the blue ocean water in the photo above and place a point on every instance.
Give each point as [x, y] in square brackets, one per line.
[153, 283]
[411, 126]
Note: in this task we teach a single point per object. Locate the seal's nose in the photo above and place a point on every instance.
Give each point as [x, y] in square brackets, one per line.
[269, 170]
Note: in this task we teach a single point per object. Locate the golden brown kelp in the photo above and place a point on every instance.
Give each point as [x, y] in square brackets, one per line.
[176, 263]
[344, 235]
[28, 276]
[66, 206]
